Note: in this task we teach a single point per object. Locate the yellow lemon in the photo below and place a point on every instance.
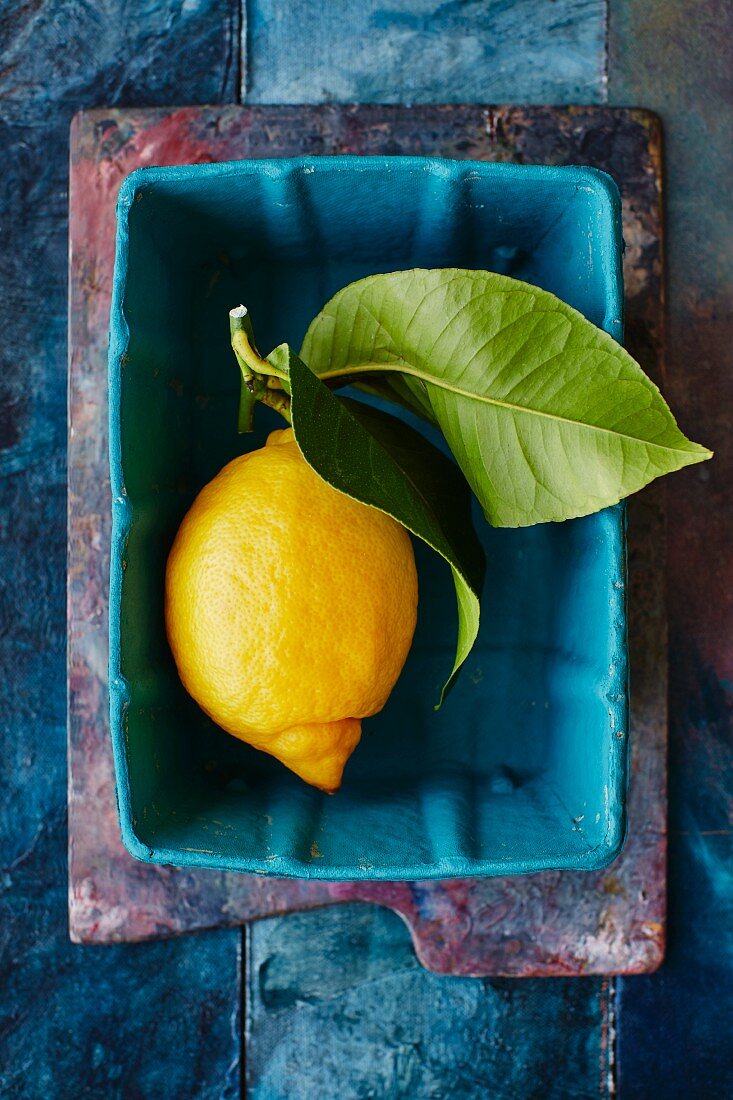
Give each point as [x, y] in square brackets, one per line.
[290, 609]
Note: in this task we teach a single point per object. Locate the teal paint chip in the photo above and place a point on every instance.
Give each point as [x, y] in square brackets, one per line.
[525, 767]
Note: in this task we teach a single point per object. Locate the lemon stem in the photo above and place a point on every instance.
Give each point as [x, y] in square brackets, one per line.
[277, 400]
[261, 381]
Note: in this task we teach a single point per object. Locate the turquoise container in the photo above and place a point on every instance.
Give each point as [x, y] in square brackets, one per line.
[525, 767]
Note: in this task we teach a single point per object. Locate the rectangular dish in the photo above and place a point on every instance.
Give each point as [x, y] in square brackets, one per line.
[524, 769]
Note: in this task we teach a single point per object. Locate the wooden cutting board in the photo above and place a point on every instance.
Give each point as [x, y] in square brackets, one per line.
[556, 923]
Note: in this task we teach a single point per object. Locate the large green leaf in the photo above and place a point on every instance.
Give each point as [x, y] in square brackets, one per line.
[377, 459]
[548, 417]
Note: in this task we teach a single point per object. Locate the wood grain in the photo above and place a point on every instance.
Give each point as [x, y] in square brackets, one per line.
[161, 1019]
[675, 56]
[420, 51]
[337, 1004]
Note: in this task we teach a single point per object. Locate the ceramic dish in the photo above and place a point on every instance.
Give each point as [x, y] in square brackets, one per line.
[524, 768]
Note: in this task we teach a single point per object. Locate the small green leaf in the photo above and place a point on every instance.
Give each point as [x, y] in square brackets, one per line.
[377, 459]
[547, 416]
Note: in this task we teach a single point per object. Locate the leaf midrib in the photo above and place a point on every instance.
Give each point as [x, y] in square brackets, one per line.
[432, 380]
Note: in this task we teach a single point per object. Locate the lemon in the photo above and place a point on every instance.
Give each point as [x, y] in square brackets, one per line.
[290, 609]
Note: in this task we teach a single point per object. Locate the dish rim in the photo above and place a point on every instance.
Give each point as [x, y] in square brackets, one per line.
[610, 243]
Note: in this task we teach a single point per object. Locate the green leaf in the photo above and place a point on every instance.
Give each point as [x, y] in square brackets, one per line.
[392, 387]
[548, 417]
[379, 460]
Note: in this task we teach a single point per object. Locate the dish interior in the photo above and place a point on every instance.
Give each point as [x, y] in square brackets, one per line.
[524, 766]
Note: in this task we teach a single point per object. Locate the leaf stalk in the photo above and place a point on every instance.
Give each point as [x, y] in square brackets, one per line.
[261, 381]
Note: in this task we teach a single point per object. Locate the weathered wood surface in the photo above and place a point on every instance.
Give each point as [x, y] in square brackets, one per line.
[338, 1005]
[423, 51]
[676, 1027]
[558, 923]
[161, 1019]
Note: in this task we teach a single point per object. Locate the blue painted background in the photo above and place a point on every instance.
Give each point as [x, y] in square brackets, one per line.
[162, 1019]
[336, 1004]
[675, 1028]
[423, 51]
[339, 1006]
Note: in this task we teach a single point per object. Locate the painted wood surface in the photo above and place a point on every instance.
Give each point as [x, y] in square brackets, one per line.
[555, 923]
[425, 51]
[676, 1028]
[162, 1019]
[337, 1005]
